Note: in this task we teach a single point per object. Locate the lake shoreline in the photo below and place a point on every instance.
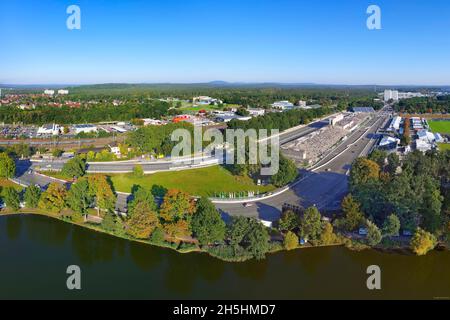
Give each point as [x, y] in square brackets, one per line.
[405, 250]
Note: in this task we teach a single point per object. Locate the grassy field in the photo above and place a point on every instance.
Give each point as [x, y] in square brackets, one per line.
[440, 126]
[199, 182]
[444, 146]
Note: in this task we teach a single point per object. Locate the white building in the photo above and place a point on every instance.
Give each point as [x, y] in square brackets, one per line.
[256, 112]
[114, 147]
[205, 100]
[153, 122]
[49, 92]
[49, 129]
[423, 145]
[395, 124]
[301, 104]
[63, 92]
[390, 94]
[283, 105]
[333, 121]
[389, 143]
[85, 128]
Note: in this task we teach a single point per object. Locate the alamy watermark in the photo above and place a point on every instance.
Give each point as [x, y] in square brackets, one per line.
[240, 147]
[73, 21]
[74, 280]
[374, 20]
[374, 280]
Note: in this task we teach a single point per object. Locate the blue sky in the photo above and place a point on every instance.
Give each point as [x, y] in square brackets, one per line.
[320, 41]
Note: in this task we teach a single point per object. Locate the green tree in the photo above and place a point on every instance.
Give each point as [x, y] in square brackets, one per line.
[289, 220]
[32, 196]
[378, 156]
[141, 194]
[352, 214]
[391, 226]
[257, 239]
[12, 199]
[422, 242]
[109, 222]
[53, 199]
[176, 213]
[373, 233]
[57, 153]
[363, 170]
[290, 241]
[101, 189]
[311, 224]
[157, 236]
[237, 231]
[143, 221]
[79, 198]
[431, 207]
[7, 166]
[138, 171]
[75, 167]
[393, 163]
[287, 172]
[327, 237]
[207, 224]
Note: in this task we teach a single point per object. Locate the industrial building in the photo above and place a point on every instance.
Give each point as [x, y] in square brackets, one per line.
[49, 129]
[84, 128]
[283, 105]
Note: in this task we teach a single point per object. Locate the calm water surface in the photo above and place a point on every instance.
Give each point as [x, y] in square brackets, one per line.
[35, 252]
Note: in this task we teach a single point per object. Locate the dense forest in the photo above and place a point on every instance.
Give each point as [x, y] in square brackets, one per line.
[256, 95]
[417, 192]
[440, 104]
[87, 114]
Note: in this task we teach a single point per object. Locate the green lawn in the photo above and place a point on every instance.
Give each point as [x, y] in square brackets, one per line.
[200, 182]
[444, 146]
[440, 126]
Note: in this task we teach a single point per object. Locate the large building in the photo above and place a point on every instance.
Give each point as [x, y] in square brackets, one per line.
[283, 105]
[205, 100]
[49, 129]
[49, 92]
[395, 124]
[390, 95]
[84, 128]
[63, 92]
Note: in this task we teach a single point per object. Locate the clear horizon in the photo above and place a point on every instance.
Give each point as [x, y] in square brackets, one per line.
[287, 42]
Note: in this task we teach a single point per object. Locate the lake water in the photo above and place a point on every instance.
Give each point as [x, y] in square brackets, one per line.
[35, 252]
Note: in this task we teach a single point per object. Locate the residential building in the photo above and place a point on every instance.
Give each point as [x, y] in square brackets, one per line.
[49, 92]
[390, 95]
[63, 92]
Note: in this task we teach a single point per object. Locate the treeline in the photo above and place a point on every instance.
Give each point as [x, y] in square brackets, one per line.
[85, 114]
[281, 120]
[440, 104]
[156, 139]
[416, 192]
[250, 95]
